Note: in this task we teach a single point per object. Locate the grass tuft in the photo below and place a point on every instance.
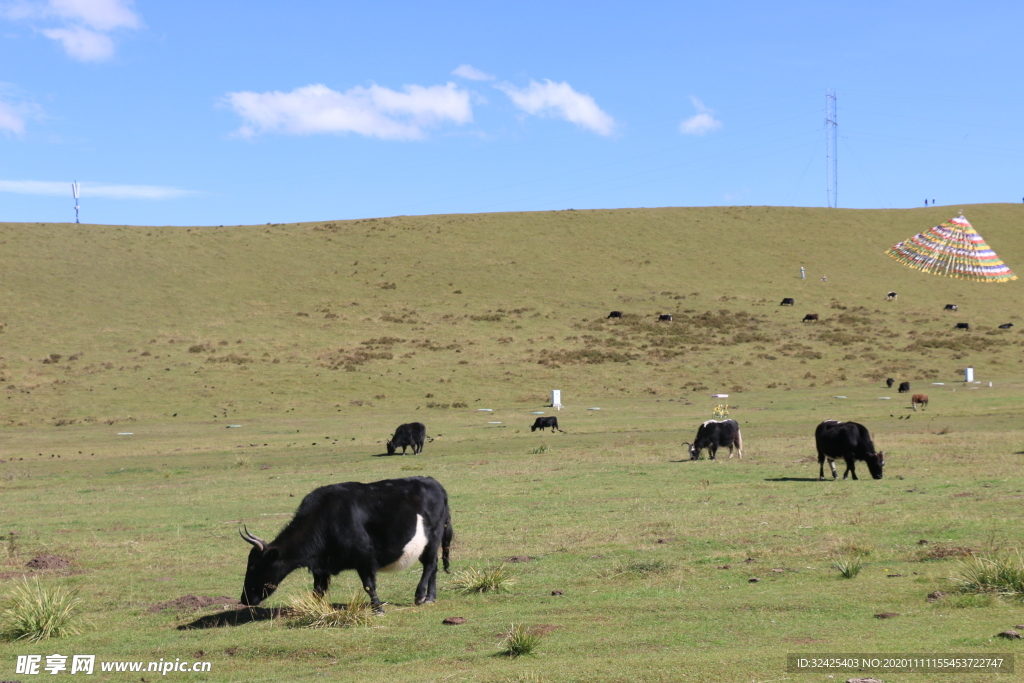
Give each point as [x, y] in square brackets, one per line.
[539, 450]
[34, 612]
[520, 641]
[848, 567]
[492, 580]
[312, 611]
[998, 574]
[243, 461]
[635, 568]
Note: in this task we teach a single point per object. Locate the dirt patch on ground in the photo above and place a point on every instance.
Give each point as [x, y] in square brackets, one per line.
[48, 562]
[189, 603]
[520, 558]
[942, 552]
[544, 629]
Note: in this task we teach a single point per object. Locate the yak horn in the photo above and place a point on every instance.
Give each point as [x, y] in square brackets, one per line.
[254, 540]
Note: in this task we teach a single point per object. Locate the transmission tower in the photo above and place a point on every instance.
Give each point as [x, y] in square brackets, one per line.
[831, 147]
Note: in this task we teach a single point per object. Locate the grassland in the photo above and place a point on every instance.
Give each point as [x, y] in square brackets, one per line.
[129, 355]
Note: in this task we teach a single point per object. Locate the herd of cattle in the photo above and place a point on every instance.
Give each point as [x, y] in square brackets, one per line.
[891, 296]
[814, 317]
[387, 526]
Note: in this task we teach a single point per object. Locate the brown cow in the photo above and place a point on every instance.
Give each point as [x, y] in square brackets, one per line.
[810, 317]
[919, 399]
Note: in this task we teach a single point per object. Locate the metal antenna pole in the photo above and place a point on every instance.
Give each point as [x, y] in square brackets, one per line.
[831, 148]
[74, 191]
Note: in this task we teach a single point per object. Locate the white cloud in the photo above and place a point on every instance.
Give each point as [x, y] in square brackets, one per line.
[83, 25]
[102, 15]
[702, 122]
[472, 73]
[83, 44]
[49, 188]
[561, 101]
[373, 112]
[11, 120]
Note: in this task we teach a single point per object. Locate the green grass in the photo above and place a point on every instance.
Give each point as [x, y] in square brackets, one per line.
[848, 567]
[498, 579]
[519, 641]
[31, 612]
[311, 611]
[133, 353]
[1002, 573]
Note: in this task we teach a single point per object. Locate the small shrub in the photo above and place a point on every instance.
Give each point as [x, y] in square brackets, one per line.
[519, 641]
[311, 611]
[539, 450]
[999, 574]
[848, 567]
[33, 612]
[493, 580]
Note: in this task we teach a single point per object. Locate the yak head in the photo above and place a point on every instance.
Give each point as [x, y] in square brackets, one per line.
[391, 447]
[264, 571]
[876, 462]
[692, 450]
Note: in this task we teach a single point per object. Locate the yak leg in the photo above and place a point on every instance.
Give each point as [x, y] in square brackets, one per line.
[369, 580]
[321, 583]
[426, 589]
[821, 467]
[712, 451]
[850, 470]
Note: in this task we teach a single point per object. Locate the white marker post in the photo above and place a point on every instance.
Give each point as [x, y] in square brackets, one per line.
[556, 399]
[968, 374]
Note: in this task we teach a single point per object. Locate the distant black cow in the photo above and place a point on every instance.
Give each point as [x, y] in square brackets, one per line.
[962, 326]
[904, 387]
[384, 526]
[891, 296]
[1006, 326]
[411, 434]
[787, 302]
[847, 441]
[715, 434]
[665, 318]
[543, 423]
[950, 307]
[889, 382]
[615, 314]
[810, 317]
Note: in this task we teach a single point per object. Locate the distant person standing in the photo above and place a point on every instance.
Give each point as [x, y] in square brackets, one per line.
[926, 202]
[933, 201]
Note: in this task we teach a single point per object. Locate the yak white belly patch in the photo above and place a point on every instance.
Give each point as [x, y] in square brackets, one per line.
[412, 550]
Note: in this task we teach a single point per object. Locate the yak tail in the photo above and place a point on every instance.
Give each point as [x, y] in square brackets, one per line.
[446, 542]
[739, 441]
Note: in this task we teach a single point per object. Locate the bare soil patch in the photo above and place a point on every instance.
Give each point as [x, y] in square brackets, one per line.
[48, 563]
[193, 602]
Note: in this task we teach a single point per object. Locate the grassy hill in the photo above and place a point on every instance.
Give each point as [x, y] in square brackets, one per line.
[106, 322]
[162, 385]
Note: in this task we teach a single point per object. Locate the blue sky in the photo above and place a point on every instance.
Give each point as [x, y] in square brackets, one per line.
[230, 112]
